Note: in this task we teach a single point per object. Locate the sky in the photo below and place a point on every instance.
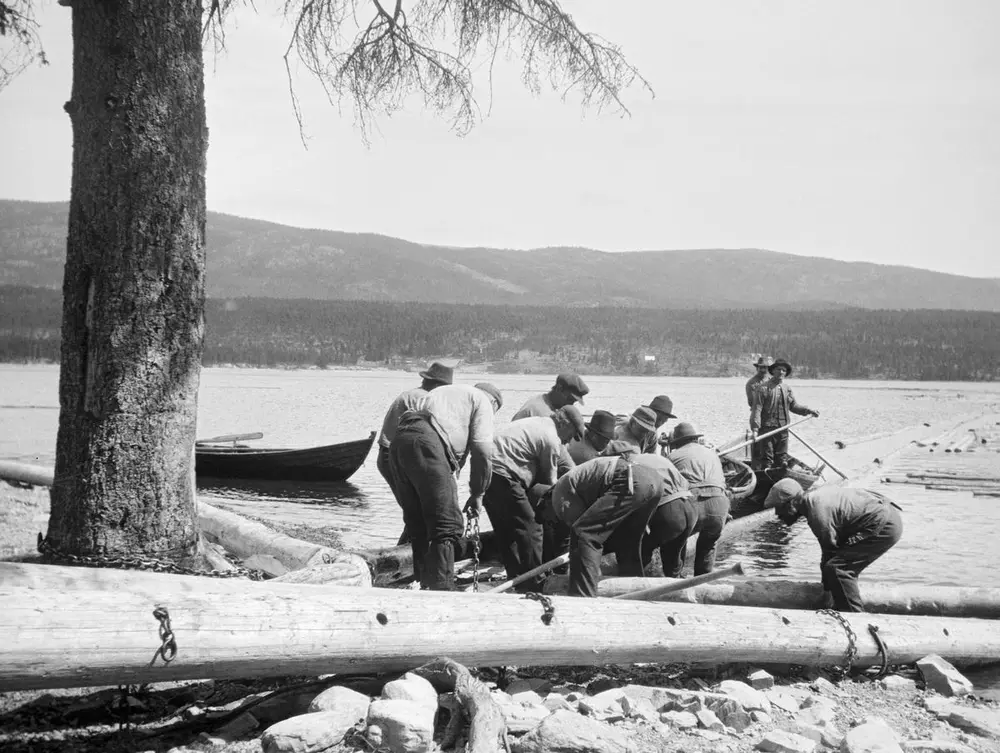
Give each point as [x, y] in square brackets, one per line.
[860, 130]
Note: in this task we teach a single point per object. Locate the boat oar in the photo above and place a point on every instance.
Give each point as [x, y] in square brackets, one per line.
[562, 559]
[231, 438]
[741, 445]
[680, 585]
[816, 453]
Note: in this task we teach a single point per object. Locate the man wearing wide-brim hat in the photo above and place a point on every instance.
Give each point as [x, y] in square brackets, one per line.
[435, 375]
[707, 484]
[639, 429]
[568, 390]
[854, 528]
[599, 431]
[773, 405]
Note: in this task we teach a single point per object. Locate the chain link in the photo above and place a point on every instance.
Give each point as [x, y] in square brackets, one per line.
[852, 641]
[549, 609]
[150, 564]
[472, 533]
[168, 643]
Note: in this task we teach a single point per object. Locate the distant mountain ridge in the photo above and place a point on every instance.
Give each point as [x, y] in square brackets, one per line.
[254, 258]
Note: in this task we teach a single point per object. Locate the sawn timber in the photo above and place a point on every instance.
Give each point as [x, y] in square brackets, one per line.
[85, 636]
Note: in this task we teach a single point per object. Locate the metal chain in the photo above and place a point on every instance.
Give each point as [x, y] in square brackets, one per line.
[168, 643]
[472, 533]
[883, 650]
[852, 641]
[151, 564]
[549, 609]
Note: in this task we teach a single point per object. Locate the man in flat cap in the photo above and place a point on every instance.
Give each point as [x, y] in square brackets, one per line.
[526, 453]
[854, 528]
[568, 389]
[454, 423]
[773, 405]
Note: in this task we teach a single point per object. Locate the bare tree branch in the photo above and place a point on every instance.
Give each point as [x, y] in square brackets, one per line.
[20, 45]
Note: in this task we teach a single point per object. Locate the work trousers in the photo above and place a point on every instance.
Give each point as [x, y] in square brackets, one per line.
[519, 535]
[711, 511]
[616, 521]
[426, 490]
[773, 451]
[841, 567]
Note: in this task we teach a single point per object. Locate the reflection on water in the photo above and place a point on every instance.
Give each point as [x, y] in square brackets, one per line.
[767, 548]
[335, 493]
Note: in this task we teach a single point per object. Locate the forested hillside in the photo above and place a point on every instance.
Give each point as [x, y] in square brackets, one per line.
[846, 344]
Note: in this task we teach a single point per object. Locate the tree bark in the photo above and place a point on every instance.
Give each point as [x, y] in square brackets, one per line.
[133, 289]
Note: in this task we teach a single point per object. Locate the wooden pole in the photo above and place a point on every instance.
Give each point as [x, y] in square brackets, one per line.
[82, 637]
[562, 559]
[26, 473]
[817, 454]
[231, 438]
[651, 594]
[741, 445]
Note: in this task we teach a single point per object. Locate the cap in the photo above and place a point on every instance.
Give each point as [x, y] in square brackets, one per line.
[492, 391]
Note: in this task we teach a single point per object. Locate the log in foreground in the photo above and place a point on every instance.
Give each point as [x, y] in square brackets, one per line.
[84, 636]
[778, 593]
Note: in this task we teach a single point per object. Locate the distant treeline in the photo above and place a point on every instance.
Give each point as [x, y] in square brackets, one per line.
[843, 344]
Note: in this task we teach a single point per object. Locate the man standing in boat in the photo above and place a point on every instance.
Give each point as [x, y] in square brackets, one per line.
[753, 383]
[436, 375]
[455, 423]
[854, 528]
[772, 406]
[568, 390]
[707, 483]
[525, 452]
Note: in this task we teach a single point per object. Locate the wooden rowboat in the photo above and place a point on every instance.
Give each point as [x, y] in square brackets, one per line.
[86, 635]
[335, 462]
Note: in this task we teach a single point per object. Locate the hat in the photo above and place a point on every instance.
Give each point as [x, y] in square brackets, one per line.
[780, 362]
[762, 361]
[645, 417]
[603, 424]
[662, 404]
[573, 384]
[572, 414]
[492, 391]
[438, 372]
[783, 491]
[683, 432]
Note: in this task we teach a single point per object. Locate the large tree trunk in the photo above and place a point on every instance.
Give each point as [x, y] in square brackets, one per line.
[134, 291]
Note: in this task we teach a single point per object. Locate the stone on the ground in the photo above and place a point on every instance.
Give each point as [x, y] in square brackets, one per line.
[640, 709]
[305, 733]
[981, 722]
[936, 746]
[241, 725]
[557, 702]
[604, 703]
[733, 715]
[941, 676]
[784, 699]
[528, 697]
[663, 698]
[283, 706]
[761, 680]
[709, 720]
[539, 685]
[568, 732]
[898, 684]
[824, 686]
[761, 717]
[818, 713]
[873, 736]
[938, 706]
[400, 725]
[350, 704]
[747, 697]
[521, 717]
[679, 719]
[827, 734]
[411, 687]
[780, 741]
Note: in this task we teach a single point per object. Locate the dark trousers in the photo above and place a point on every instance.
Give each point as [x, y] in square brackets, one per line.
[713, 509]
[670, 526]
[774, 449]
[426, 491]
[616, 521]
[385, 468]
[841, 569]
[518, 534]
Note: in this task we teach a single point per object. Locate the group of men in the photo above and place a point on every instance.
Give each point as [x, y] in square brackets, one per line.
[551, 483]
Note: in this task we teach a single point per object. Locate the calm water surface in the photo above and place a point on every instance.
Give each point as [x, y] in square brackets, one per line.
[942, 544]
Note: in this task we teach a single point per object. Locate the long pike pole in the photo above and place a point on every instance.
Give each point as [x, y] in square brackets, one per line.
[562, 559]
[652, 593]
[816, 453]
[741, 445]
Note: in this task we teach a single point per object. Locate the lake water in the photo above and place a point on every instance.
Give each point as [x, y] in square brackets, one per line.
[942, 544]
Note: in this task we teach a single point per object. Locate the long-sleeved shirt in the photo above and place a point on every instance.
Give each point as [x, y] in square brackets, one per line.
[752, 384]
[581, 450]
[529, 450]
[409, 400]
[699, 465]
[674, 483]
[837, 514]
[772, 404]
[538, 405]
[576, 491]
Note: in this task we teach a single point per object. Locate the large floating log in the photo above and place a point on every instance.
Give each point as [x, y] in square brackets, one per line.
[83, 636]
[778, 593]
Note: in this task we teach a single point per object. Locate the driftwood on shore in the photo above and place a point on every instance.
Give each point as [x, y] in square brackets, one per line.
[83, 636]
[779, 593]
